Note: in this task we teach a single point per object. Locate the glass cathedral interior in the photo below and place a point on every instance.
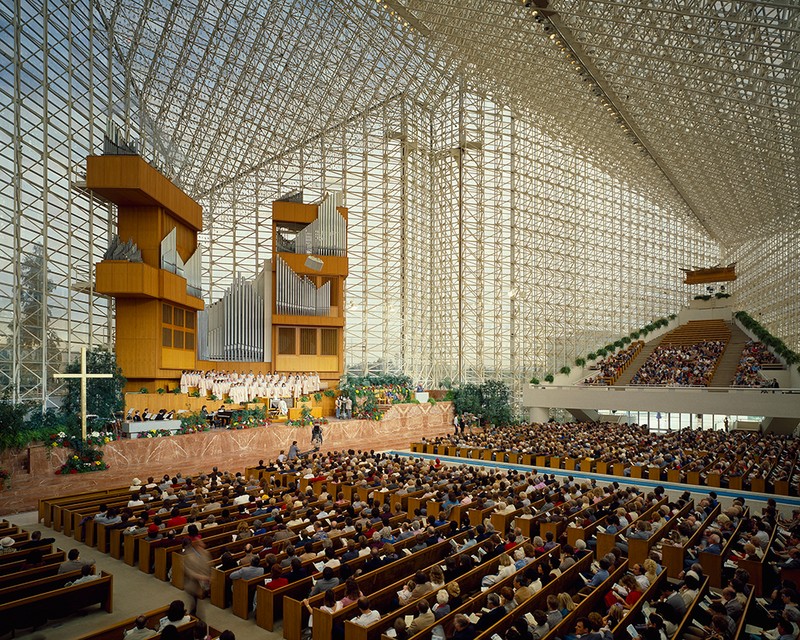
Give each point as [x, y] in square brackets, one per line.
[525, 180]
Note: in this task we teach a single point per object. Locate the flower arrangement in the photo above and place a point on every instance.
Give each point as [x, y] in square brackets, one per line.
[94, 438]
[305, 419]
[59, 439]
[155, 433]
[193, 428]
[84, 461]
[99, 438]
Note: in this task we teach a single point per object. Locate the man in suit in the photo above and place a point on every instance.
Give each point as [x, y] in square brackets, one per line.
[492, 616]
[253, 570]
[140, 631]
[73, 562]
[425, 618]
[463, 628]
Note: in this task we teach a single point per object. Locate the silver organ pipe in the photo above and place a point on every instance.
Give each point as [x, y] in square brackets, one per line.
[234, 326]
[298, 295]
[327, 235]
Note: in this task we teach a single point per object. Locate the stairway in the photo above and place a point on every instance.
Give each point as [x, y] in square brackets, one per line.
[726, 368]
[637, 362]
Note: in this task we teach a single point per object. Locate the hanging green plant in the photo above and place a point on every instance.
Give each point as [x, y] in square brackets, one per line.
[329, 393]
[549, 377]
[534, 380]
[634, 335]
[564, 370]
[580, 362]
[592, 356]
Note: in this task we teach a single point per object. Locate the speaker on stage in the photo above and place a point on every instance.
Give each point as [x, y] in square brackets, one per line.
[313, 263]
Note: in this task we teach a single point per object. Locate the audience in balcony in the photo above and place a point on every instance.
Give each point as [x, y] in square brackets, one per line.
[681, 365]
[754, 356]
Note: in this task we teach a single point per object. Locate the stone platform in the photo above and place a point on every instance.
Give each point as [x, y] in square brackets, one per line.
[33, 470]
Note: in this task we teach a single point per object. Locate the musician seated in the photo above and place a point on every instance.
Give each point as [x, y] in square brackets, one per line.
[160, 414]
[222, 417]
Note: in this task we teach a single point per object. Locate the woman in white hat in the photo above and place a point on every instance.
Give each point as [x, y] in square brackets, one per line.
[7, 545]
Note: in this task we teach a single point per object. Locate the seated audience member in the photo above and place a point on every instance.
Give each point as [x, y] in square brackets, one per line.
[140, 631]
[176, 615]
[73, 562]
[366, 616]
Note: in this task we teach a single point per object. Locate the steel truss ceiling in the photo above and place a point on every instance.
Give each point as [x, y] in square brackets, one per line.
[713, 86]
[504, 217]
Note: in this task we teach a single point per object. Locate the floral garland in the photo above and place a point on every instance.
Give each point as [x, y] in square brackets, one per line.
[193, 428]
[155, 433]
[306, 422]
[95, 439]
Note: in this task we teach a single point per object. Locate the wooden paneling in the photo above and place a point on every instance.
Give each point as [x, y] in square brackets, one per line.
[130, 181]
[123, 278]
[298, 212]
[143, 226]
[293, 212]
[173, 288]
[306, 363]
[295, 413]
[138, 342]
[177, 359]
[307, 321]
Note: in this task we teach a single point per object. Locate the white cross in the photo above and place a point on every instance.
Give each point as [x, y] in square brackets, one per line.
[84, 376]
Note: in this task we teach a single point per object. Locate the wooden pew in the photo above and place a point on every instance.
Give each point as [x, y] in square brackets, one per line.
[607, 541]
[672, 556]
[691, 611]
[295, 616]
[712, 563]
[20, 556]
[756, 569]
[26, 575]
[382, 601]
[58, 603]
[36, 586]
[48, 506]
[639, 550]
[536, 601]
[587, 604]
[9, 568]
[117, 631]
